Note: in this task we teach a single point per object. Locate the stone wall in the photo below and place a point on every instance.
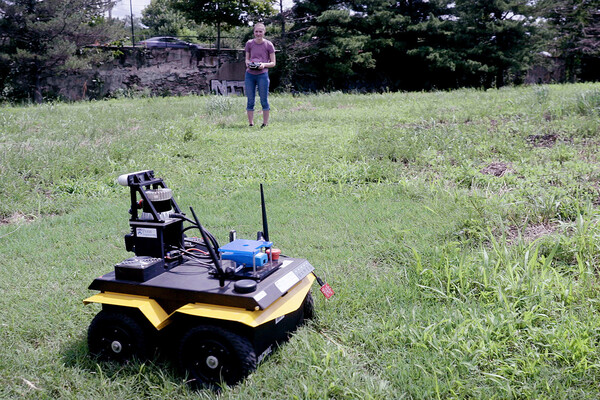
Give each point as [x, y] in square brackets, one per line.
[157, 71]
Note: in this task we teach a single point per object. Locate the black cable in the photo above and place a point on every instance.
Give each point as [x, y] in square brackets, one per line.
[198, 259]
[184, 218]
[189, 254]
[220, 273]
[208, 234]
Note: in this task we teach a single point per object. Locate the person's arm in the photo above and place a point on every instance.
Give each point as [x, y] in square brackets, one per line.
[271, 63]
[247, 58]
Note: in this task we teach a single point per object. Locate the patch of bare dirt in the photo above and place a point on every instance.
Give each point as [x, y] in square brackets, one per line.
[548, 140]
[497, 169]
[542, 140]
[16, 218]
[304, 107]
[532, 232]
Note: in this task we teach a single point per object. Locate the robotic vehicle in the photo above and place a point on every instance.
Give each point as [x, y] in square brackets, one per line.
[221, 309]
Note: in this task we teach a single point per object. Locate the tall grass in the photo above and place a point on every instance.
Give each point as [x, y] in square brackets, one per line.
[458, 229]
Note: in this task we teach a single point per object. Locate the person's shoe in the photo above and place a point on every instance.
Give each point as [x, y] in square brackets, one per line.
[263, 125]
[251, 125]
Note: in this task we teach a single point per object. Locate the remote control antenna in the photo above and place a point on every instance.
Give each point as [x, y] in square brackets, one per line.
[264, 214]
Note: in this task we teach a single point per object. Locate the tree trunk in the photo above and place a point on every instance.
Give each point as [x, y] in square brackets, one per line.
[282, 21]
[37, 90]
[500, 78]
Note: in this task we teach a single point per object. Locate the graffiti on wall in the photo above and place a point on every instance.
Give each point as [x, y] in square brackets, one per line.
[226, 88]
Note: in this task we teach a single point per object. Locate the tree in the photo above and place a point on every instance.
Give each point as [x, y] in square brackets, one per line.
[391, 28]
[337, 48]
[479, 42]
[39, 38]
[574, 31]
[348, 43]
[163, 20]
[326, 46]
[223, 13]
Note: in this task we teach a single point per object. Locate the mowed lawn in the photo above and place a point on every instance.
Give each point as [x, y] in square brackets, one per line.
[458, 229]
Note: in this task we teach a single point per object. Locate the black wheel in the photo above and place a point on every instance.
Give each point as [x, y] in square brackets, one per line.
[117, 336]
[308, 307]
[212, 355]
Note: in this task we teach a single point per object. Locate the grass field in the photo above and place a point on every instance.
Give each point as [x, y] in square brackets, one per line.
[458, 229]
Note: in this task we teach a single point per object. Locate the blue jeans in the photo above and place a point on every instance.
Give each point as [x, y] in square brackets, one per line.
[262, 81]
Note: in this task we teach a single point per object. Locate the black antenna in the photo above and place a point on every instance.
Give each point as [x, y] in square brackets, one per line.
[211, 251]
[264, 214]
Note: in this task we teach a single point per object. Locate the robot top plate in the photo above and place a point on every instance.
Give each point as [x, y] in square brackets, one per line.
[190, 283]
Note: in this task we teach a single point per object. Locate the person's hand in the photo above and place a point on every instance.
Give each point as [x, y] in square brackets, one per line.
[262, 66]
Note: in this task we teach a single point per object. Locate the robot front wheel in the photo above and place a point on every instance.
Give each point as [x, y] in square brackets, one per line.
[118, 336]
[212, 356]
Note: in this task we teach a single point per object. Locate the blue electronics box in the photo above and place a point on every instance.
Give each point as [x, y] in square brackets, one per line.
[247, 253]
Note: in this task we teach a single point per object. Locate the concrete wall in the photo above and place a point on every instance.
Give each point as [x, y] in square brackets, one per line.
[162, 71]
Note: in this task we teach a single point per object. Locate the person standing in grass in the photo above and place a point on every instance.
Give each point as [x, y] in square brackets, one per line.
[260, 56]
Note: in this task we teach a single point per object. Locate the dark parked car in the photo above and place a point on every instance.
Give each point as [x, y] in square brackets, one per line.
[167, 41]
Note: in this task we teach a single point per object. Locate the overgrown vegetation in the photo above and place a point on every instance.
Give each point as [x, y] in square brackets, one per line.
[459, 230]
[428, 44]
[41, 39]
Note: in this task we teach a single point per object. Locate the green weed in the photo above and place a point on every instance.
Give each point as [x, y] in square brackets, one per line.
[219, 105]
[588, 102]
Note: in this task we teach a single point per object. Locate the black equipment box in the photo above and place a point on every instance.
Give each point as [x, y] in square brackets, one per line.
[152, 238]
[139, 269]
